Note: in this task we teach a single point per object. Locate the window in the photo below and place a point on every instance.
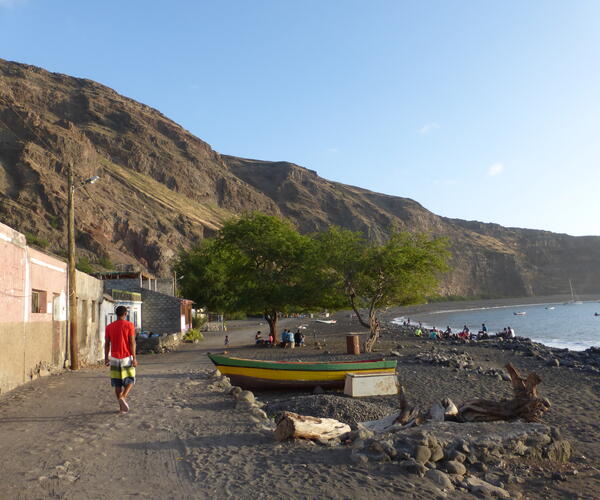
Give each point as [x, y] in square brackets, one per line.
[38, 301]
[93, 311]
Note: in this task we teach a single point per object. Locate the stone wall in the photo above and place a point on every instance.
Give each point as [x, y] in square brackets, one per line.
[160, 343]
[161, 313]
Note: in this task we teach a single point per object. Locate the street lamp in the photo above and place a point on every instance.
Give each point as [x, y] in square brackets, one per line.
[74, 340]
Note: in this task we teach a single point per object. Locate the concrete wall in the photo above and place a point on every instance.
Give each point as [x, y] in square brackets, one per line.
[90, 293]
[34, 343]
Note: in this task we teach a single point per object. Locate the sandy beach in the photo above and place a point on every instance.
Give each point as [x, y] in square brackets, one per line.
[184, 437]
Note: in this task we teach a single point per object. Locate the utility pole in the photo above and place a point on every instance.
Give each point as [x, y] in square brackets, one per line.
[73, 339]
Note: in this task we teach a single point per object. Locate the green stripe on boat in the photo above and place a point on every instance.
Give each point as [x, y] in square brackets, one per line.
[283, 365]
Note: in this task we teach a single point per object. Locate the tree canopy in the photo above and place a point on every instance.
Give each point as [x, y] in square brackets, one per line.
[261, 264]
[403, 270]
[256, 264]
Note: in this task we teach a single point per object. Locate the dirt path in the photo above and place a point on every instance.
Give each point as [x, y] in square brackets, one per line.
[61, 438]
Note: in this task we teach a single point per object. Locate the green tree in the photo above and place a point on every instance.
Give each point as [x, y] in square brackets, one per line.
[256, 264]
[370, 276]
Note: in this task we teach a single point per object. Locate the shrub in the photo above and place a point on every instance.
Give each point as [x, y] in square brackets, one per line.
[84, 265]
[193, 336]
[106, 263]
[33, 239]
[198, 322]
[54, 221]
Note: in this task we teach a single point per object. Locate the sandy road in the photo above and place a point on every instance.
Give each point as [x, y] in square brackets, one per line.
[61, 438]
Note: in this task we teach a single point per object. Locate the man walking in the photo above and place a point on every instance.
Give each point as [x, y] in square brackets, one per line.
[120, 344]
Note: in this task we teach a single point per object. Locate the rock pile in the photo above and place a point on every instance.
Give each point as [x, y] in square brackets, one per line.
[244, 401]
[477, 457]
[452, 358]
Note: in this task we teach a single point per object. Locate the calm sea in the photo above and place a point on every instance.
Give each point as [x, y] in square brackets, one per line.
[567, 325]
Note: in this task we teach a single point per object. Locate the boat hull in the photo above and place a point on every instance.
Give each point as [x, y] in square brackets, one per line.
[263, 375]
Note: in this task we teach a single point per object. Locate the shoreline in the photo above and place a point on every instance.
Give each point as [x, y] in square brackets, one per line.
[394, 315]
[482, 304]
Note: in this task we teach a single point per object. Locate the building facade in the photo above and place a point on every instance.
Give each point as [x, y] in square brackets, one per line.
[33, 306]
[160, 312]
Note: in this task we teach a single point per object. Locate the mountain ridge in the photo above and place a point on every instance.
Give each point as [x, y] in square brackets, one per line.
[163, 189]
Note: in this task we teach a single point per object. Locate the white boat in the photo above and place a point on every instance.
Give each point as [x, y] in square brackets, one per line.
[327, 321]
[520, 313]
[573, 296]
[551, 308]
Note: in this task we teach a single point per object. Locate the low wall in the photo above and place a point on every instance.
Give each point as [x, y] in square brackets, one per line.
[159, 344]
[29, 350]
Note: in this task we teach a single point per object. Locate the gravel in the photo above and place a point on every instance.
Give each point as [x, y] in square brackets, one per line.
[340, 407]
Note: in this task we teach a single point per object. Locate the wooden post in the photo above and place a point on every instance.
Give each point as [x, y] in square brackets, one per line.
[73, 339]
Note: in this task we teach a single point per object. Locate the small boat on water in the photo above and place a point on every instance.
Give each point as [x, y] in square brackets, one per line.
[574, 299]
[520, 313]
[327, 321]
[259, 375]
[551, 308]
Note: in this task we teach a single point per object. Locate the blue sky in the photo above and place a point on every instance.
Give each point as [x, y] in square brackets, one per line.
[478, 110]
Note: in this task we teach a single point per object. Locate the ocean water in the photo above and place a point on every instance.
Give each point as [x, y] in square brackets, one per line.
[567, 325]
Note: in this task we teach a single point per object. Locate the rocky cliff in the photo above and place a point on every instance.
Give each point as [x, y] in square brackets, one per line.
[163, 188]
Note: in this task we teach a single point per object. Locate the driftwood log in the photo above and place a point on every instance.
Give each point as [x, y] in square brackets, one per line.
[291, 426]
[526, 403]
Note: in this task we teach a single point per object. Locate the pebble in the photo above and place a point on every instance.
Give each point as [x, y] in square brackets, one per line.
[440, 478]
[422, 454]
[455, 467]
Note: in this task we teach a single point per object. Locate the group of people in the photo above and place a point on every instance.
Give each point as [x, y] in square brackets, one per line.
[288, 339]
[464, 334]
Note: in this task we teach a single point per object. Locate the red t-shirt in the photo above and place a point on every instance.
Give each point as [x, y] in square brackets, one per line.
[118, 333]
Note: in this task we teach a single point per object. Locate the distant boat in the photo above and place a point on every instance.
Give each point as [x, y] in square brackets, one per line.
[573, 296]
[327, 321]
[596, 314]
[550, 308]
[520, 313]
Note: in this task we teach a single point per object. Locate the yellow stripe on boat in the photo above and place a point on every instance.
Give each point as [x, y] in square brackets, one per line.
[294, 375]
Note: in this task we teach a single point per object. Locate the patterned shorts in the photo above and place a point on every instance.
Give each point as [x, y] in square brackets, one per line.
[122, 371]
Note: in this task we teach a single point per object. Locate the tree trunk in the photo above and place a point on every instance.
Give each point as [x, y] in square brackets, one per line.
[291, 425]
[373, 333]
[271, 317]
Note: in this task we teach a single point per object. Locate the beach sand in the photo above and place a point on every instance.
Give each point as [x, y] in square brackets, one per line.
[61, 437]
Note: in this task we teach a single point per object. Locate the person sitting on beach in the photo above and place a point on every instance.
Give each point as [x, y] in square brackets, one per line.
[271, 339]
[433, 335]
[258, 338]
[465, 334]
[418, 332]
[511, 333]
[448, 332]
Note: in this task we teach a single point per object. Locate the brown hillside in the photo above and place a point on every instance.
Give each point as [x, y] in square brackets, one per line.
[163, 188]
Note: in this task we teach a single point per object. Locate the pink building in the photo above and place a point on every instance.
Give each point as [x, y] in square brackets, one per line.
[33, 312]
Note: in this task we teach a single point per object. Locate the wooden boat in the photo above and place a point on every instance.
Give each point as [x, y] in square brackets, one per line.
[521, 313]
[257, 374]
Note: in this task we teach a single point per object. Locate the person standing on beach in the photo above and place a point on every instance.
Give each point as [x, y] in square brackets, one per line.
[119, 354]
[226, 340]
